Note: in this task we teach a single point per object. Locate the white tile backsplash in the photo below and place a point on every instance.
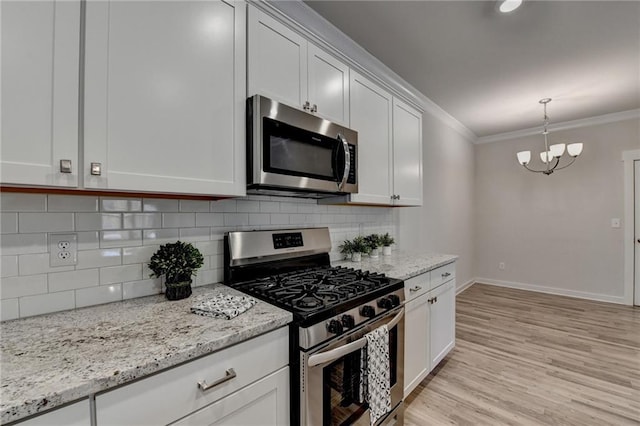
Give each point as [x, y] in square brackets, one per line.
[117, 237]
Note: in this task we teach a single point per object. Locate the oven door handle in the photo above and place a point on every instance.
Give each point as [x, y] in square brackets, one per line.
[337, 353]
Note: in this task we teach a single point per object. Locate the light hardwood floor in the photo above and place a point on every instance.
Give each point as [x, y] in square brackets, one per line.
[527, 358]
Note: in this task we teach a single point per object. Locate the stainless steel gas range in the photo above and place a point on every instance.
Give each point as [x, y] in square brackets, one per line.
[333, 310]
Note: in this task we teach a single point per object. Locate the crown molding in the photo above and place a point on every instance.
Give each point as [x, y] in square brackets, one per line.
[306, 21]
[566, 125]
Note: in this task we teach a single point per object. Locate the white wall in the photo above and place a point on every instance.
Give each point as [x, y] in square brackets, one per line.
[554, 232]
[444, 224]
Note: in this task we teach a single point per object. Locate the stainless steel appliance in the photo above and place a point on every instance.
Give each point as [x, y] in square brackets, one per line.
[294, 153]
[333, 309]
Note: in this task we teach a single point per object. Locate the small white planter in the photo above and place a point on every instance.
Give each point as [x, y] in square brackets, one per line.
[386, 251]
[375, 252]
[356, 257]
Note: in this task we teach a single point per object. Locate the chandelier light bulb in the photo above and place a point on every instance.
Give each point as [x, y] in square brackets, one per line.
[524, 157]
[557, 150]
[574, 149]
[546, 156]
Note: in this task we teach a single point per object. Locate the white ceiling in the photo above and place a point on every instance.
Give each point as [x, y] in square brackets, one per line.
[488, 70]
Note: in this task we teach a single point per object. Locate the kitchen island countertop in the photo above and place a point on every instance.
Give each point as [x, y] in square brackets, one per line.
[49, 360]
[400, 264]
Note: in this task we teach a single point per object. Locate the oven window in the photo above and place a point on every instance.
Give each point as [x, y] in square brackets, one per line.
[343, 402]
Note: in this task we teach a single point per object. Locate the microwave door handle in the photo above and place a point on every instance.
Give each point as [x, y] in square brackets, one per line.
[347, 161]
[336, 353]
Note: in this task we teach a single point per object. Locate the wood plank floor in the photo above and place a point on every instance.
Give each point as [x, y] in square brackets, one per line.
[525, 358]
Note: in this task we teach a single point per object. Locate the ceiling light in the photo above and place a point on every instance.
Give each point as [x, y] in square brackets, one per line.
[507, 6]
[551, 154]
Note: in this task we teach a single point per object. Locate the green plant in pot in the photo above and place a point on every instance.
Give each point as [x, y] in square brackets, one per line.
[346, 248]
[178, 262]
[359, 247]
[386, 240]
[375, 242]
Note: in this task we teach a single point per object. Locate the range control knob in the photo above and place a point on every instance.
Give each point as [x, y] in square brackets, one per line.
[368, 311]
[395, 300]
[334, 326]
[348, 321]
[385, 303]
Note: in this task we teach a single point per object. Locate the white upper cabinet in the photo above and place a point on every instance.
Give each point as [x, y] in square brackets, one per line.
[371, 116]
[285, 67]
[407, 155]
[40, 63]
[165, 96]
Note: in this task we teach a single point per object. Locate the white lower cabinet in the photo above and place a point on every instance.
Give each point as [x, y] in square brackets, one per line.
[416, 347]
[265, 402]
[252, 376]
[442, 321]
[76, 414]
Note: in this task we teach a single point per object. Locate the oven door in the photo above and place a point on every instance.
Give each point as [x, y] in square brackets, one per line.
[330, 377]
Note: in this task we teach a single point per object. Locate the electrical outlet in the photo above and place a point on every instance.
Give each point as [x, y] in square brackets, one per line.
[63, 249]
[502, 266]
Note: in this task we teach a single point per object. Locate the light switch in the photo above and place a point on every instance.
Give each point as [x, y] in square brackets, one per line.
[615, 222]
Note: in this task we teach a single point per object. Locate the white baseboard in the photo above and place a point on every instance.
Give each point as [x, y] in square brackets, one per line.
[553, 290]
[463, 287]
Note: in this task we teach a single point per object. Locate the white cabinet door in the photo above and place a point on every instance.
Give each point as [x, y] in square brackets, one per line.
[371, 113]
[328, 86]
[407, 154]
[416, 343]
[442, 320]
[40, 61]
[263, 403]
[277, 60]
[165, 96]
[76, 414]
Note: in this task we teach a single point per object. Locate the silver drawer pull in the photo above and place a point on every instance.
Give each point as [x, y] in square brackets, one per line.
[229, 374]
[416, 288]
[446, 274]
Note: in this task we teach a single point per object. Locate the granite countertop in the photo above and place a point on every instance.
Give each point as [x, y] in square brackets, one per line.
[52, 359]
[400, 264]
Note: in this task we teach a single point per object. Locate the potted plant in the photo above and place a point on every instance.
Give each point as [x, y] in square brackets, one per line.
[178, 262]
[346, 248]
[374, 242]
[386, 240]
[359, 247]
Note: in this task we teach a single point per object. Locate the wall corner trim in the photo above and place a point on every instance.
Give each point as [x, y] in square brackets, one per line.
[464, 286]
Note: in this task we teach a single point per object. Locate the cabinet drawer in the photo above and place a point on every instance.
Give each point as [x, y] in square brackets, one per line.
[416, 286]
[443, 274]
[174, 393]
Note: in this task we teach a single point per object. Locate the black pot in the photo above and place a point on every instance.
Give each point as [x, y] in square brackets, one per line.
[177, 291]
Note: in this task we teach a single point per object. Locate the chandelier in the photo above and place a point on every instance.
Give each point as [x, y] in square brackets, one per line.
[551, 154]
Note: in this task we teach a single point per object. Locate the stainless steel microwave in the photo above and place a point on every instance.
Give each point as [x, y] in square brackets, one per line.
[294, 153]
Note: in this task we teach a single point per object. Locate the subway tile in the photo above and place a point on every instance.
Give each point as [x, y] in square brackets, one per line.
[206, 277]
[39, 263]
[60, 281]
[209, 219]
[159, 205]
[99, 258]
[297, 219]
[259, 218]
[269, 207]
[178, 220]
[110, 239]
[72, 203]
[141, 288]
[98, 221]
[141, 220]
[216, 261]
[46, 303]
[23, 243]
[23, 286]
[146, 271]
[9, 309]
[160, 236]
[306, 208]
[321, 208]
[138, 254]
[45, 222]
[120, 204]
[119, 274]
[194, 206]
[247, 206]
[98, 295]
[279, 219]
[8, 223]
[224, 206]
[88, 240]
[235, 219]
[17, 202]
[195, 234]
[289, 207]
[208, 248]
[9, 266]
[206, 261]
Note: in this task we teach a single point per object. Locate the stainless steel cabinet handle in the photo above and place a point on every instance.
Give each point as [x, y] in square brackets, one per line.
[446, 274]
[347, 160]
[416, 288]
[314, 108]
[96, 169]
[65, 166]
[229, 374]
